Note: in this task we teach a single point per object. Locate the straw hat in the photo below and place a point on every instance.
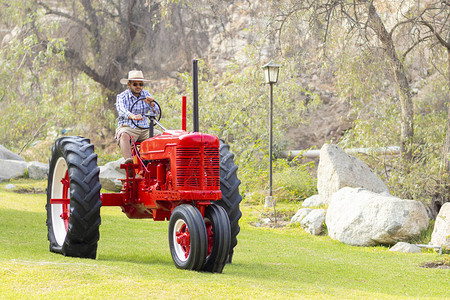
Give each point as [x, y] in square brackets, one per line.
[134, 75]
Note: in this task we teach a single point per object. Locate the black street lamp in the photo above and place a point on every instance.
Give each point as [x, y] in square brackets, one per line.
[271, 71]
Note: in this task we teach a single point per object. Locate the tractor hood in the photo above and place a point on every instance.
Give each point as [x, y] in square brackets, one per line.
[166, 143]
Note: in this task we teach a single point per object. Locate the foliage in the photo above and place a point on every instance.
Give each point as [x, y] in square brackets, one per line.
[294, 182]
[43, 94]
[377, 125]
[234, 105]
[377, 72]
[40, 100]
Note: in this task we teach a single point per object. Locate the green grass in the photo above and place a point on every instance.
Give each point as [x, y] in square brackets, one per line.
[133, 261]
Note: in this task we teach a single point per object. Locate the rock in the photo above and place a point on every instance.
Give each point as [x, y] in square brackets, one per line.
[441, 231]
[405, 247]
[12, 169]
[313, 201]
[265, 220]
[7, 154]
[37, 170]
[110, 174]
[310, 219]
[10, 186]
[270, 201]
[314, 221]
[301, 213]
[363, 218]
[337, 170]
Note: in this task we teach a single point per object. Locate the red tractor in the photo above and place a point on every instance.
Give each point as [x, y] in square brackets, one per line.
[188, 178]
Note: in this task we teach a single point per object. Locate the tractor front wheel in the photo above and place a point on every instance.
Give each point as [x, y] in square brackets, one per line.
[219, 238]
[187, 237]
[73, 198]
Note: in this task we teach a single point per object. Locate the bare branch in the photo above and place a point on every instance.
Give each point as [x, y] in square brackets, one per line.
[436, 34]
[50, 11]
[419, 41]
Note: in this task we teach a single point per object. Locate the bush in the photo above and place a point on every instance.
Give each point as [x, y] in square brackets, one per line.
[294, 183]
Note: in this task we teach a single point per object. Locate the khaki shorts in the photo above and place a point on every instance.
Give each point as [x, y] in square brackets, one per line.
[137, 134]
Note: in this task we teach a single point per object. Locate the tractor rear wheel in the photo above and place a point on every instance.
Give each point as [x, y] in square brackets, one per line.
[73, 198]
[231, 198]
[219, 238]
[187, 237]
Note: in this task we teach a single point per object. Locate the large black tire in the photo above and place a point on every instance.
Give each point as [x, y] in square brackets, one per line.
[77, 233]
[187, 237]
[231, 198]
[219, 238]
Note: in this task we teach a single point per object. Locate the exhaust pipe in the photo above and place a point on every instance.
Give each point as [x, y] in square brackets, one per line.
[195, 96]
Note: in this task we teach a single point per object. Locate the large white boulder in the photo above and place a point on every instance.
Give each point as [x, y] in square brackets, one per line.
[7, 154]
[313, 201]
[337, 169]
[363, 218]
[110, 174]
[37, 170]
[12, 169]
[441, 231]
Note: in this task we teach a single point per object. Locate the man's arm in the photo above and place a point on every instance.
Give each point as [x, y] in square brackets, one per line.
[122, 107]
[150, 101]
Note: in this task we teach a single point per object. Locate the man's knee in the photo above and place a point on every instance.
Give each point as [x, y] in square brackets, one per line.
[124, 138]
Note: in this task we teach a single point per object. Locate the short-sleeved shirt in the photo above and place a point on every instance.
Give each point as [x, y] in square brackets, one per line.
[125, 101]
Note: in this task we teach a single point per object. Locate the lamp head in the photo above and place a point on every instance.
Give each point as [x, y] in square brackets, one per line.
[271, 71]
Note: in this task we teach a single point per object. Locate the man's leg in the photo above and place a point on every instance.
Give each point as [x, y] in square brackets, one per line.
[125, 145]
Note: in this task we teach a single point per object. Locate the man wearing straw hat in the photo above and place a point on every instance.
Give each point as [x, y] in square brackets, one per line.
[125, 127]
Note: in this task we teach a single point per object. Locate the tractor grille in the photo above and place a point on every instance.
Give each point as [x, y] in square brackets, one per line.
[198, 168]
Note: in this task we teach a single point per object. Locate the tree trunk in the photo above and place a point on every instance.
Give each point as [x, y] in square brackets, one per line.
[407, 109]
[446, 151]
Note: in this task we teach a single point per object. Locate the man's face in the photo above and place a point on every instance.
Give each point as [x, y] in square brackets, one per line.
[136, 86]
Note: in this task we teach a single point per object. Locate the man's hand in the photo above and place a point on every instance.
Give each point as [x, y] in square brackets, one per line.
[135, 117]
[149, 100]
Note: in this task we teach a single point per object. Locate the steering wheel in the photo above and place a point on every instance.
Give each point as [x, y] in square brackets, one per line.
[147, 115]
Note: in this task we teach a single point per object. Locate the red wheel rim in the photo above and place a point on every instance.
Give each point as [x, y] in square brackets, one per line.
[210, 235]
[65, 206]
[183, 240]
[60, 200]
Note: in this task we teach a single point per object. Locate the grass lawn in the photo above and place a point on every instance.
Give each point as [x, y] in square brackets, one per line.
[133, 261]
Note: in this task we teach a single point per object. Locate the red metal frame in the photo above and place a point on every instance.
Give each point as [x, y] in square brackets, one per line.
[172, 169]
[183, 113]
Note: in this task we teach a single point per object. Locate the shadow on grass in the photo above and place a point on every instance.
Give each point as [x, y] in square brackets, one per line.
[135, 259]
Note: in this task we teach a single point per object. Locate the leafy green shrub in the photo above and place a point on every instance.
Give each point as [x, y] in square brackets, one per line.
[294, 183]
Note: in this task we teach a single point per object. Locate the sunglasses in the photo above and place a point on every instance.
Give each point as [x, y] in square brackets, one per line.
[138, 84]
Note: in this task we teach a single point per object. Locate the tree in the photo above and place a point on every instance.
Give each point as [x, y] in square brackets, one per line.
[407, 111]
[39, 93]
[362, 22]
[104, 37]
[435, 17]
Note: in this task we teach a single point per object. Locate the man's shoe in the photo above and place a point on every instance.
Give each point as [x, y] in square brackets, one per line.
[128, 160]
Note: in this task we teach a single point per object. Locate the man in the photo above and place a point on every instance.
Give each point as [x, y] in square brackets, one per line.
[125, 127]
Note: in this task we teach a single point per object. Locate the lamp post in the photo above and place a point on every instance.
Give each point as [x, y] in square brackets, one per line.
[271, 71]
